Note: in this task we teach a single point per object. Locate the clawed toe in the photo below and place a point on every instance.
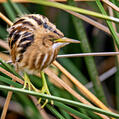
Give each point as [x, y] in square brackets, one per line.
[45, 90]
[27, 83]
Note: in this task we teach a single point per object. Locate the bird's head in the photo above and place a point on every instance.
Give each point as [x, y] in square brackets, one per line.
[53, 37]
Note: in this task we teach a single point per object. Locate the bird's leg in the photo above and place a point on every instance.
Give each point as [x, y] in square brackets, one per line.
[28, 83]
[44, 89]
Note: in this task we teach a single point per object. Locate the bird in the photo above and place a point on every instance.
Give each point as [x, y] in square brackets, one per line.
[34, 44]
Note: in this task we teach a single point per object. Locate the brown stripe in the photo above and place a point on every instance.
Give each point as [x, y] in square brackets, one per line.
[40, 61]
[16, 35]
[18, 21]
[12, 32]
[33, 58]
[20, 58]
[28, 23]
[19, 29]
[39, 22]
[25, 59]
[24, 47]
[29, 38]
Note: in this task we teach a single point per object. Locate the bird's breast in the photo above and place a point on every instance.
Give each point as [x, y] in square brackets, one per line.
[35, 60]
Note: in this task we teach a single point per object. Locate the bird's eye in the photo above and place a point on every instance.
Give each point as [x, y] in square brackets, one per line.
[45, 25]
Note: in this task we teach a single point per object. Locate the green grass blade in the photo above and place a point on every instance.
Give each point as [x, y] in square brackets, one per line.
[117, 73]
[91, 67]
[3, 32]
[69, 109]
[15, 7]
[9, 68]
[57, 92]
[23, 9]
[117, 87]
[27, 105]
[10, 12]
[10, 82]
[66, 101]
[114, 35]
[75, 9]
[55, 112]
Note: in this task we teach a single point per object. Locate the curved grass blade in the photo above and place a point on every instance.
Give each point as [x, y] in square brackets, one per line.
[85, 47]
[114, 35]
[10, 82]
[15, 7]
[79, 10]
[11, 69]
[66, 101]
[10, 12]
[55, 112]
[71, 110]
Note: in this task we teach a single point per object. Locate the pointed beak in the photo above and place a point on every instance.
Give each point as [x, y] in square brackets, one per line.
[67, 40]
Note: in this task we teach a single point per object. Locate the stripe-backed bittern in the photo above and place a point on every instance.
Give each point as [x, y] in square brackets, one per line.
[34, 44]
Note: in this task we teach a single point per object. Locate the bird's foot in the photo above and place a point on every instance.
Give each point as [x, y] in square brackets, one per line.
[44, 90]
[27, 83]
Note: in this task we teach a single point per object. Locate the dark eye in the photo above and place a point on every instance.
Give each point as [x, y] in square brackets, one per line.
[45, 25]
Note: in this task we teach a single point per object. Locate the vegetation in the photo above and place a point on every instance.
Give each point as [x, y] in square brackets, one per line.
[81, 87]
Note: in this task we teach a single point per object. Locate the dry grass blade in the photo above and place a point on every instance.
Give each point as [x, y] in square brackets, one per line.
[114, 26]
[11, 75]
[82, 88]
[13, 106]
[89, 54]
[5, 108]
[5, 19]
[111, 5]
[65, 86]
[92, 22]
[70, 90]
[42, 111]
[6, 105]
[75, 117]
